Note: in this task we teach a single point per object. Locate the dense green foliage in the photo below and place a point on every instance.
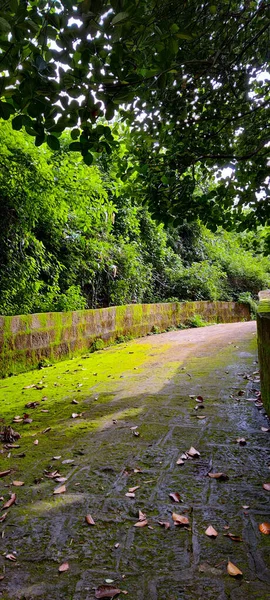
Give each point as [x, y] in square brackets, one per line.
[74, 236]
[186, 75]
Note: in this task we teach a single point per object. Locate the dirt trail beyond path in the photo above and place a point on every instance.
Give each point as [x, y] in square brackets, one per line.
[137, 414]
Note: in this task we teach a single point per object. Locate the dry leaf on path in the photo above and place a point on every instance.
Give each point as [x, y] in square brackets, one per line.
[211, 532]
[18, 483]
[180, 519]
[266, 486]
[193, 452]
[164, 524]
[133, 489]
[141, 523]
[4, 473]
[221, 476]
[265, 429]
[264, 528]
[61, 480]
[35, 443]
[180, 461]
[52, 474]
[142, 516]
[233, 537]
[106, 591]
[241, 441]
[11, 501]
[64, 567]
[60, 490]
[233, 570]
[3, 517]
[199, 399]
[130, 495]
[137, 471]
[175, 496]
[89, 520]
[11, 557]
[200, 416]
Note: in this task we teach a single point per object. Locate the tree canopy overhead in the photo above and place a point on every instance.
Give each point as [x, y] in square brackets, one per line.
[185, 75]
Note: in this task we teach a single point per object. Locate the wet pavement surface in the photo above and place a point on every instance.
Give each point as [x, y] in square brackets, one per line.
[139, 415]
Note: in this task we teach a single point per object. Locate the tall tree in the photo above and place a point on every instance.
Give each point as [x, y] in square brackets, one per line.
[184, 74]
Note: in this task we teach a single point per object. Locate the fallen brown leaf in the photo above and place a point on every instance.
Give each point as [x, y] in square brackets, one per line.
[142, 516]
[60, 490]
[180, 519]
[11, 501]
[201, 417]
[89, 520]
[18, 483]
[106, 591]
[241, 441]
[265, 429]
[233, 537]
[137, 471]
[4, 473]
[61, 479]
[141, 523]
[32, 405]
[233, 570]
[193, 452]
[199, 399]
[180, 461]
[116, 545]
[164, 524]
[64, 567]
[11, 557]
[264, 528]
[266, 486]
[11, 446]
[3, 517]
[211, 532]
[221, 476]
[52, 474]
[175, 496]
[130, 495]
[133, 489]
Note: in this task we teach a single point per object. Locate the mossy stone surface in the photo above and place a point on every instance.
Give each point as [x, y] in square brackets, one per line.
[151, 385]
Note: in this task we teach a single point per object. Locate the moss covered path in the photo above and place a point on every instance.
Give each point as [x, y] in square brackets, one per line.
[137, 415]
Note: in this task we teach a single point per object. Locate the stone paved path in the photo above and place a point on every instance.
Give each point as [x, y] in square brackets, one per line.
[145, 384]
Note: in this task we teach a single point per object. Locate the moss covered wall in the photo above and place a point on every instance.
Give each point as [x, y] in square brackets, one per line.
[27, 339]
[263, 327]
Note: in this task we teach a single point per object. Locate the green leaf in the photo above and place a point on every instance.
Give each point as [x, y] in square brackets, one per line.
[75, 146]
[17, 123]
[75, 134]
[4, 25]
[88, 159]
[6, 110]
[39, 140]
[122, 16]
[53, 142]
[109, 111]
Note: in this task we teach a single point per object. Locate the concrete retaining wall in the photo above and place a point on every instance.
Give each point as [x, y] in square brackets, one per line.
[263, 327]
[26, 340]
